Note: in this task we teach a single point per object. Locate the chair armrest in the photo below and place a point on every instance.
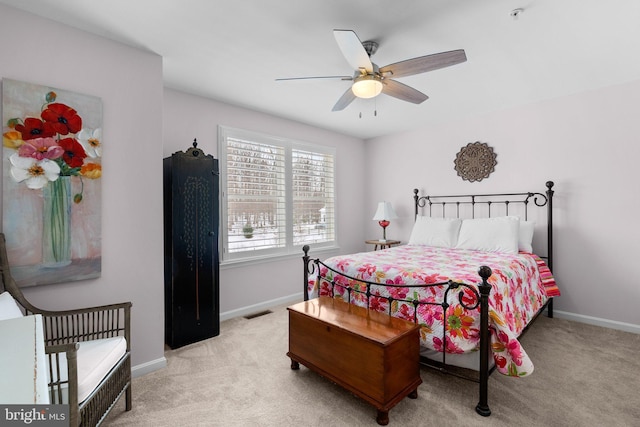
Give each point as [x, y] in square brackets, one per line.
[85, 324]
[62, 348]
[56, 382]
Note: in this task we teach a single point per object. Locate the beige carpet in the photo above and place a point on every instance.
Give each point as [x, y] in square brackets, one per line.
[584, 376]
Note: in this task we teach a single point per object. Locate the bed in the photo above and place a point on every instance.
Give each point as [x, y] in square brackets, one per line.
[469, 264]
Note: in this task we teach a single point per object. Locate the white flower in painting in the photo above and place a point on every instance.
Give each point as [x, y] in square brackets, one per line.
[91, 141]
[35, 173]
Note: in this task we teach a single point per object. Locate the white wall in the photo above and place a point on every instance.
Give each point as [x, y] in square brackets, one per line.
[129, 82]
[252, 285]
[587, 144]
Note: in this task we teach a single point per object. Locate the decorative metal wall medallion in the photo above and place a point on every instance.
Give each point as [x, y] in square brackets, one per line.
[475, 161]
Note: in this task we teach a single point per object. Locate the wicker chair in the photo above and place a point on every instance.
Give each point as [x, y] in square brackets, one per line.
[64, 333]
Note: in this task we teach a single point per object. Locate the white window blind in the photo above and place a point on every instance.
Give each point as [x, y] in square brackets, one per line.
[278, 195]
[313, 195]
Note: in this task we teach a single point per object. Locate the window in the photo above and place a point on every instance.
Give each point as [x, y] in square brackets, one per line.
[277, 195]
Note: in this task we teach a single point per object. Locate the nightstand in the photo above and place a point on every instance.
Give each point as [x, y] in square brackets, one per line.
[383, 244]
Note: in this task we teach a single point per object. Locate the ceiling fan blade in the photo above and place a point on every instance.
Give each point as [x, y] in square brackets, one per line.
[346, 99]
[423, 64]
[402, 91]
[352, 49]
[318, 77]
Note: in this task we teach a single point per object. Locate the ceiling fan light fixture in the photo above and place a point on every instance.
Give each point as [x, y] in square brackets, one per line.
[367, 87]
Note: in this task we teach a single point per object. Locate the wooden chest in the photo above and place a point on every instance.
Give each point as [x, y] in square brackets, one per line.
[371, 354]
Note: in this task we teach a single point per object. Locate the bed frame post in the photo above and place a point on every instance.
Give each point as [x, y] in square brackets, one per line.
[415, 203]
[550, 238]
[550, 224]
[482, 407]
[305, 262]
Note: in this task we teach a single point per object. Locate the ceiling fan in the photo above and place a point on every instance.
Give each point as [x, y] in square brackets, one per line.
[369, 80]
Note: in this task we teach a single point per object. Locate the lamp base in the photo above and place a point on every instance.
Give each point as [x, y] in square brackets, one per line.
[384, 224]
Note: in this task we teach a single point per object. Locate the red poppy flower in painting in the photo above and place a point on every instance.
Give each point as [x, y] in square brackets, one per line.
[74, 154]
[62, 118]
[43, 138]
[34, 128]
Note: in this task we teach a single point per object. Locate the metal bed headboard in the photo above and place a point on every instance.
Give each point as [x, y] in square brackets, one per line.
[457, 203]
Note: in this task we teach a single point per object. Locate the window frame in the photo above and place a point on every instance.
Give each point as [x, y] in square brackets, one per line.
[289, 249]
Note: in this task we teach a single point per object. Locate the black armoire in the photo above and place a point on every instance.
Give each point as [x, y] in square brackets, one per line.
[191, 259]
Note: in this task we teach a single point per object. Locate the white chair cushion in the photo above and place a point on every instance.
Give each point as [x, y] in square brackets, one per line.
[95, 360]
[8, 307]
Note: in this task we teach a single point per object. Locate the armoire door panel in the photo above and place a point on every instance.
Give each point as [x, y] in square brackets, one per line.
[191, 215]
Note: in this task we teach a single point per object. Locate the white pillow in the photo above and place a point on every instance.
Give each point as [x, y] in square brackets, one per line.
[438, 232]
[525, 236]
[8, 307]
[490, 234]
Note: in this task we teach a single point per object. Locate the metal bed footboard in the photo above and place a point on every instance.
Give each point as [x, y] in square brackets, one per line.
[480, 301]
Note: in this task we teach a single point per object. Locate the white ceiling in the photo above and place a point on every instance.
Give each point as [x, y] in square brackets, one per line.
[233, 50]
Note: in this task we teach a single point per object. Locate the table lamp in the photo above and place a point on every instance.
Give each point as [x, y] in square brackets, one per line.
[384, 213]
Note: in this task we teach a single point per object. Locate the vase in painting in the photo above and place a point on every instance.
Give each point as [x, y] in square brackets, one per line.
[56, 227]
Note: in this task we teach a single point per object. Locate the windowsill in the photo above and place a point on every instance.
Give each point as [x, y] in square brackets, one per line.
[264, 259]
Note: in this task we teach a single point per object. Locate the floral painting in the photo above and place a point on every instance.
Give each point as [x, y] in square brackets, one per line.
[51, 172]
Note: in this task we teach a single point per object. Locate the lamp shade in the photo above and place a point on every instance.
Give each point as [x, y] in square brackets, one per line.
[366, 87]
[385, 211]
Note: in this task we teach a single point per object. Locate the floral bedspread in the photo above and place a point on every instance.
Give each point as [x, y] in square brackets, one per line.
[518, 291]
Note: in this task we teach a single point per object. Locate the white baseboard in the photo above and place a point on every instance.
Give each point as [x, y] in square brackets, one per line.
[251, 309]
[148, 367]
[596, 321]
